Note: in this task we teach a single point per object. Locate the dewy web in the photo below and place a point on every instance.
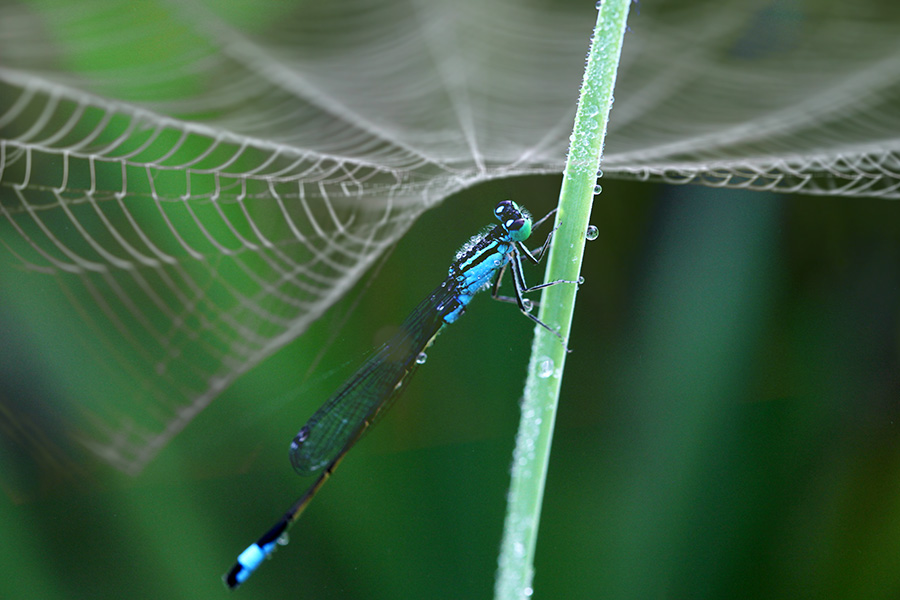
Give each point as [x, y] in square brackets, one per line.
[188, 206]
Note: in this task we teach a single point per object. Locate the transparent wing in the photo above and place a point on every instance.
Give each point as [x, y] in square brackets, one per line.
[371, 389]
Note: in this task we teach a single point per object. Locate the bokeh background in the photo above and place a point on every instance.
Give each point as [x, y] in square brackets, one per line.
[728, 425]
[728, 422]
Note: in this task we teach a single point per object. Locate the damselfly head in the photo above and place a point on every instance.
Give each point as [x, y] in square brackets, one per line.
[515, 220]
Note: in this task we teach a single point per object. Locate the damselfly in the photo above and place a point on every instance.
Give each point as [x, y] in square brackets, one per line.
[321, 444]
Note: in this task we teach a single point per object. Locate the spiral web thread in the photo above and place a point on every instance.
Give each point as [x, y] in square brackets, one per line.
[199, 186]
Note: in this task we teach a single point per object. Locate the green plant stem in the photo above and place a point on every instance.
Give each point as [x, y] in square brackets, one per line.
[532, 452]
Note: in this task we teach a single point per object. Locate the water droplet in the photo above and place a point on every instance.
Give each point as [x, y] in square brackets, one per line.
[599, 172]
[527, 304]
[421, 358]
[599, 4]
[283, 539]
[302, 435]
[592, 233]
[545, 368]
[597, 189]
[580, 279]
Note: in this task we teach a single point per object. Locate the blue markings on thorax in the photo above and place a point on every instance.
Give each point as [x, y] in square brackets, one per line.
[482, 257]
[476, 264]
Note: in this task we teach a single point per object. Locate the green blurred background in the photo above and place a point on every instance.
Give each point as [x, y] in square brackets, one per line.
[727, 429]
[728, 425]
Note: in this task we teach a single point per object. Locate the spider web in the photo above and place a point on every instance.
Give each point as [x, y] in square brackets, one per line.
[201, 182]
